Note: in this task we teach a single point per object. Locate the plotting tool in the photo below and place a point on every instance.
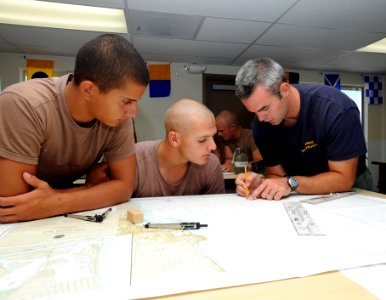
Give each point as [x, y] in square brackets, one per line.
[95, 218]
[302, 221]
[328, 197]
[182, 226]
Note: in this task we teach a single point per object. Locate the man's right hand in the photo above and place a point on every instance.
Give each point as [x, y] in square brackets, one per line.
[252, 181]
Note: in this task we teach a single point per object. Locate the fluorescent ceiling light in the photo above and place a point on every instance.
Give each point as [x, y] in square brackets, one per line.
[377, 47]
[60, 15]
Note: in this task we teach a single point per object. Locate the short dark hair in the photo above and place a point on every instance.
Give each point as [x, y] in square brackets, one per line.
[109, 60]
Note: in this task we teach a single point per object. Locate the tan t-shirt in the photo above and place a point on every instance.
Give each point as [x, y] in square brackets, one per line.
[37, 128]
[198, 179]
[246, 141]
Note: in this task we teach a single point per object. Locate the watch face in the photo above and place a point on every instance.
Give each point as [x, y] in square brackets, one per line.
[293, 183]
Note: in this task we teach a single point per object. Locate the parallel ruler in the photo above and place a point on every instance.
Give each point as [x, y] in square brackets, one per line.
[302, 221]
[328, 197]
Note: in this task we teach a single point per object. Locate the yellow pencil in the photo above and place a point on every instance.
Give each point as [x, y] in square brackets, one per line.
[245, 179]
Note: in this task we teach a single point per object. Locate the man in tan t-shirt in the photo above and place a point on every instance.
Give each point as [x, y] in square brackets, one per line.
[182, 163]
[54, 130]
[234, 136]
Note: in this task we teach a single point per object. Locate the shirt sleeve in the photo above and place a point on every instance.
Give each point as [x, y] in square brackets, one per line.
[345, 138]
[21, 130]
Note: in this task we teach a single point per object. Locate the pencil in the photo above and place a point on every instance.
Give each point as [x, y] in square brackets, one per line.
[245, 179]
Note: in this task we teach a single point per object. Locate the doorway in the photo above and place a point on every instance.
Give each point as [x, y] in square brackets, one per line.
[219, 94]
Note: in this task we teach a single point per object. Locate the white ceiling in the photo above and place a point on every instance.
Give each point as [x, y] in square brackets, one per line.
[300, 34]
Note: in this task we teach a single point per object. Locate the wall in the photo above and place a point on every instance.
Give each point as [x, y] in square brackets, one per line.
[149, 122]
[12, 66]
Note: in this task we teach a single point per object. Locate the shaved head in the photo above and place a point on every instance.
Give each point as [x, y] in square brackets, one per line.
[227, 117]
[184, 114]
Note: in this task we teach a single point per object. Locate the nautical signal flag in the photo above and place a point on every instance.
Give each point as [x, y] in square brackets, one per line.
[332, 80]
[37, 68]
[160, 84]
[373, 89]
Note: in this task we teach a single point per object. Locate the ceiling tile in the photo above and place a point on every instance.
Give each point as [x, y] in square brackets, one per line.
[163, 25]
[39, 40]
[323, 38]
[227, 30]
[361, 59]
[293, 55]
[257, 10]
[366, 15]
[186, 59]
[191, 48]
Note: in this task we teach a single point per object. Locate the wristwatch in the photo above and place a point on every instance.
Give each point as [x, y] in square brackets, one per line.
[293, 183]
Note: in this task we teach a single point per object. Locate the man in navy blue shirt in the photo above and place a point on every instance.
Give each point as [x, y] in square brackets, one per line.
[310, 136]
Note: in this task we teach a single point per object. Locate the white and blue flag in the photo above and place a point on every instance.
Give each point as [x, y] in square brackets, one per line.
[332, 80]
[373, 89]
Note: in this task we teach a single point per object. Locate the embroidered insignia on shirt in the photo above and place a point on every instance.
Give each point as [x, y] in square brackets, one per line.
[309, 145]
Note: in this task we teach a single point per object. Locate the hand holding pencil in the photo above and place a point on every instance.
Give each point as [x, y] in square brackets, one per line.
[247, 183]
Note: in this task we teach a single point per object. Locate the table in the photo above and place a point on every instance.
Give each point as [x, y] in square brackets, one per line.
[382, 175]
[113, 233]
[327, 286]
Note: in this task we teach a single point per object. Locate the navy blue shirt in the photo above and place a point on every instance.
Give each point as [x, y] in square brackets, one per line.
[328, 128]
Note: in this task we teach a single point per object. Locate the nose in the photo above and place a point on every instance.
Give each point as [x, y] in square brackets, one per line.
[212, 144]
[132, 109]
[260, 117]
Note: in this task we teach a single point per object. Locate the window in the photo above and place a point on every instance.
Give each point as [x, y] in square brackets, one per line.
[356, 94]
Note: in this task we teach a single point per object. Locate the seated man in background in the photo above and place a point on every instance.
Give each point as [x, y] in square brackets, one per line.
[183, 162]
[310, 136]
[223, 153]
[235, 137]
[53, 130]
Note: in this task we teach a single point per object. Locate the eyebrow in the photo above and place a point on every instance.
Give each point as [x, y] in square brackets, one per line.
[263, 108]
[128, 98]
[204, 136]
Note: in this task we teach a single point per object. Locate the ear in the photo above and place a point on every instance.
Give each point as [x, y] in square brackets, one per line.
[87, 89]
[174, 138]
[284, 89]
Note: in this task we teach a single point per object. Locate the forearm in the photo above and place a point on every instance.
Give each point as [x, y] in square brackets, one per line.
[324, 183]
[92, 197]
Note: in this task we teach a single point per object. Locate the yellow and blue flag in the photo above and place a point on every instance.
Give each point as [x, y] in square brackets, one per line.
[160, 83]
[37, 68]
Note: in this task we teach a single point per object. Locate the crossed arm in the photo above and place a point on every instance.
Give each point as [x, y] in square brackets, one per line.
[24, 197]
[339, 178]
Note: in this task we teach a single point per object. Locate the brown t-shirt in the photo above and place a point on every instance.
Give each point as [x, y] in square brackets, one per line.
[246, 141]
[198, 179]
[37, 128]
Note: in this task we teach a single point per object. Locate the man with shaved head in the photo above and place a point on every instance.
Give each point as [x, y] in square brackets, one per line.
[182, 163]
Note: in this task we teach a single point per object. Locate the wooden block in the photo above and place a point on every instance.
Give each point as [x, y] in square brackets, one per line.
[135, 216]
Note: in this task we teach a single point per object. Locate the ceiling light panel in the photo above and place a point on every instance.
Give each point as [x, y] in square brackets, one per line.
[60, 15]
[377, 47]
